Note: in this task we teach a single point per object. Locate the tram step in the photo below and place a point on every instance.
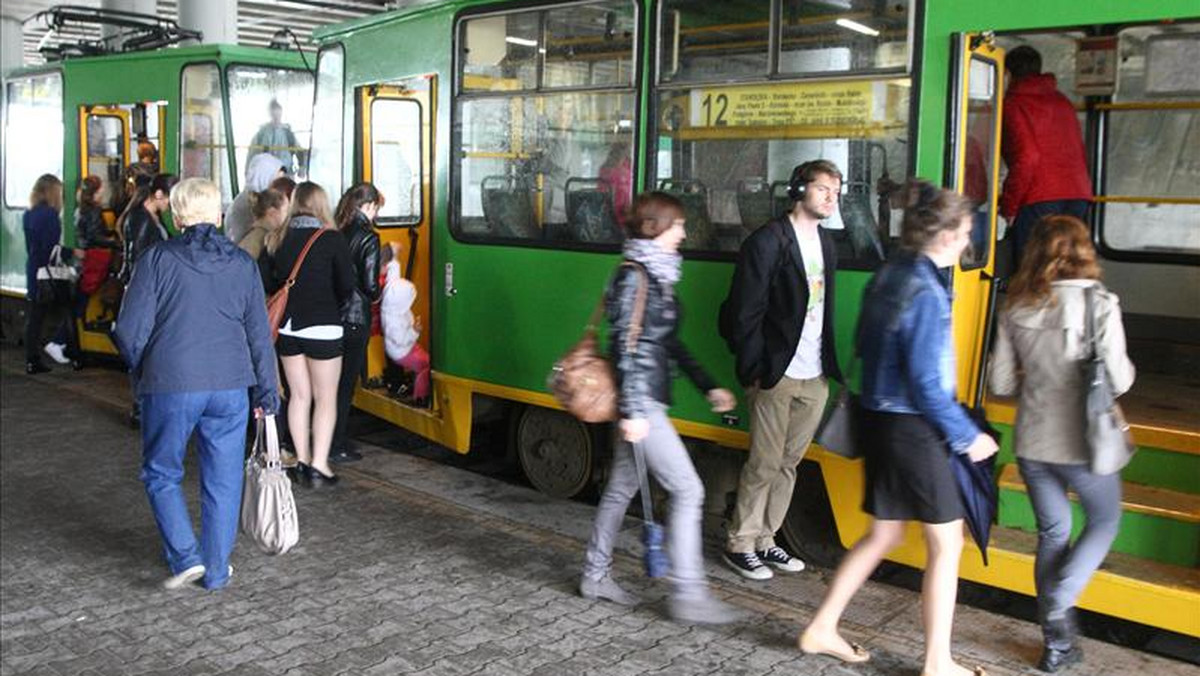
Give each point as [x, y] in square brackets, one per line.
[1159, 524]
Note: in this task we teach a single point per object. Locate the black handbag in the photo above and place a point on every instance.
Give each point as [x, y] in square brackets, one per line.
[841, 425]
[55, 280]
[1109, 442]
[353, 310]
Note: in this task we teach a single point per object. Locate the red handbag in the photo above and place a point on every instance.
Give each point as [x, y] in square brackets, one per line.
[95, 269]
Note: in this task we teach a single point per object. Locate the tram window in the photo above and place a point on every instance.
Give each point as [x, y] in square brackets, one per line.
[547, 166]
[202, 148]
[396, 158]
[325, 162]
[853, 36]
[1152, 147]
[106, 155]
[33, 136]
[702, 40]
[728, 152]
[589, 45]
[271, 110]
[982, 98]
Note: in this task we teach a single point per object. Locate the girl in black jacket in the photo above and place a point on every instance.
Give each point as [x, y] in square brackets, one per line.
[643, 317]
[355, 218]
[311, 333]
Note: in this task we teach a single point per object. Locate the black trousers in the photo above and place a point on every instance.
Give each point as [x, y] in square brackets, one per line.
[35, 316]
[354, 355]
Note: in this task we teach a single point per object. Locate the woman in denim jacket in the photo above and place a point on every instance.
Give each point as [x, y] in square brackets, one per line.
[906, 344]
[1039, 348]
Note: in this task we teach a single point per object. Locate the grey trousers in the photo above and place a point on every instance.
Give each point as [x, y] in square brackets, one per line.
[1062, 569]
[668, 462]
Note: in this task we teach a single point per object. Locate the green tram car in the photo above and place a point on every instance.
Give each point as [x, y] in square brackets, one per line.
[488, 126]
[198, 108]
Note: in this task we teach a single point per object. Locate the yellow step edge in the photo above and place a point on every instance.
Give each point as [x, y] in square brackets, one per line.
[1003, 410]
[1134, 498]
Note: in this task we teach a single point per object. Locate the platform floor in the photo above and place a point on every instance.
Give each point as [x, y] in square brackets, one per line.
[408, 566]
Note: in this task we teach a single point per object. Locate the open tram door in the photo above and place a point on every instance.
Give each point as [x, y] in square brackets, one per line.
[395, 132]
[973, 169]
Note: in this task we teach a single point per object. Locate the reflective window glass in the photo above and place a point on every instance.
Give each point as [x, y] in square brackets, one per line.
[500, 53]
[202, 149]
[396, 158]
[845, 36]
[325, 162]
[728, 151]
[33, 124]
[271, 109]
[106, 155]
[589, 45]
[701, 40]
[983, 93]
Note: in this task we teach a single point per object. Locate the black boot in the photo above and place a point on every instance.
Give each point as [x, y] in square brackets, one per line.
[1061, 644]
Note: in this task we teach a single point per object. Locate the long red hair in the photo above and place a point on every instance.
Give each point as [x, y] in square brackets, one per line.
[1060, 247]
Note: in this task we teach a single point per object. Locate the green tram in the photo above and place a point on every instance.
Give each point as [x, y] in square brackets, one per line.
[488, 126]
[198, 108]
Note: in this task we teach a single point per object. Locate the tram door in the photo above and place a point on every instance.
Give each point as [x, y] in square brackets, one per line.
[974, 171]
[395, 131]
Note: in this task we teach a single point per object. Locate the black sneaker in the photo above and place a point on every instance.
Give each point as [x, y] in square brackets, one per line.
[748, 565]
[780, 560]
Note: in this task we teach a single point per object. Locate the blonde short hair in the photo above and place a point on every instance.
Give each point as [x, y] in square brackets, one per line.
[194, 201]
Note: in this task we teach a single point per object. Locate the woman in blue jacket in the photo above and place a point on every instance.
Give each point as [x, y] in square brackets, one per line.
[914, 421]
[43, 230]
[190, 298]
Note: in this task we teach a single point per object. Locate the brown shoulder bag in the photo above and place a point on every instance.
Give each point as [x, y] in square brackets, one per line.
[277, 303]
[583, 380]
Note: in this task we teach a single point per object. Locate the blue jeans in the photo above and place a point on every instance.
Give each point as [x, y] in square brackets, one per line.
[1061, 570]
[1030, 214]
[218, 419]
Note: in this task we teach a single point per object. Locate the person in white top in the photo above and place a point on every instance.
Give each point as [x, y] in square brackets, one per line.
[401, 329]
[774, 319]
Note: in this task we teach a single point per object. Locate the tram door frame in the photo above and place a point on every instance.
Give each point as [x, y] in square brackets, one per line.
[974, 277]
[422, 91]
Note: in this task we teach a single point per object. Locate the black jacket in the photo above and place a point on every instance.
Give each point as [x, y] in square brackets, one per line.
[644, 374]
[91, 232]
[763, 315]
[364, 254]
[141, 232]
[325, 280]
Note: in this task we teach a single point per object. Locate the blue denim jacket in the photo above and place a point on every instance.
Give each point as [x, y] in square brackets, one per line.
[905, 343]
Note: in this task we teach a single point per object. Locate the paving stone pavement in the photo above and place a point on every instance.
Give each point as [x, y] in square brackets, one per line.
[407, 567]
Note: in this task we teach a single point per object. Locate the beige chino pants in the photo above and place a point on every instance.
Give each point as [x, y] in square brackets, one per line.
[783, 421]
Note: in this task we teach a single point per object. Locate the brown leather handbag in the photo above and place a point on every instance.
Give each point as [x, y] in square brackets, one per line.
[583, 380]
[277, 303]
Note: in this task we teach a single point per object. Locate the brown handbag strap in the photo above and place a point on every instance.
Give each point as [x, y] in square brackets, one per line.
[639, 311]
[300, 259]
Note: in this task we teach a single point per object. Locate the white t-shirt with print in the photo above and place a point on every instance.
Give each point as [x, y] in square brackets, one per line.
[806, 363]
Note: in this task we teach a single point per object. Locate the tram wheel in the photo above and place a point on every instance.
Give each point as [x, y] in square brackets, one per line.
[809, 530]
[555, 451]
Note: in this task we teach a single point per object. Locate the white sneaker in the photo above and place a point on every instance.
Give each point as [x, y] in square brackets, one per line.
[780, 560]
[185, 578]
[55, 350]
[747, 564]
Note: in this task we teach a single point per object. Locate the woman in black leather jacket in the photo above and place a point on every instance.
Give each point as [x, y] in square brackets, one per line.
[355, 218]
[643, 317]
[141, 225]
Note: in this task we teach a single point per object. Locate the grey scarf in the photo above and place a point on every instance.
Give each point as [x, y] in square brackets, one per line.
[664, 266]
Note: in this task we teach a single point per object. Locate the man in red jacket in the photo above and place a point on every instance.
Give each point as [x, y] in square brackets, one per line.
[1043, 148]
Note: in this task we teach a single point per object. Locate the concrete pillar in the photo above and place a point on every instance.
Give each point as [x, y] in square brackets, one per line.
[216, 19]
[140, 6]
[12, 44]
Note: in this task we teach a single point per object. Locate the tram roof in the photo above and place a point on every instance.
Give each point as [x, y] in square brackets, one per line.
[209, 52]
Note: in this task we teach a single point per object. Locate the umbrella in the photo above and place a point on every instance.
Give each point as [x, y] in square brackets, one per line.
[654, 557]
[977, 487]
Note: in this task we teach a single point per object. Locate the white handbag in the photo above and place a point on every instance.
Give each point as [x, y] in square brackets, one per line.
[268, 508]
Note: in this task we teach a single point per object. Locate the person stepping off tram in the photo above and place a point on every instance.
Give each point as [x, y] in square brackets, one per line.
[778, 321]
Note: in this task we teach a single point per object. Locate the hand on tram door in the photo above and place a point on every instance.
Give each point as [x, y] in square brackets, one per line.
[722, 400]
[634, 430]
[982, 448]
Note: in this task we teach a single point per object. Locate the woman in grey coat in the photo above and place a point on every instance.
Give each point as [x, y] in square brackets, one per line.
[1040, 347]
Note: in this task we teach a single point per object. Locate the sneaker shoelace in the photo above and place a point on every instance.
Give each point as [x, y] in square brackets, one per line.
[776, 554]
[752, 560]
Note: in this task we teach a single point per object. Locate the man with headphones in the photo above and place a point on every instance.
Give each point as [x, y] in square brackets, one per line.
[778, 322]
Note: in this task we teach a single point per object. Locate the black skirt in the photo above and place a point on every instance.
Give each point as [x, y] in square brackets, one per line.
[908, 470]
